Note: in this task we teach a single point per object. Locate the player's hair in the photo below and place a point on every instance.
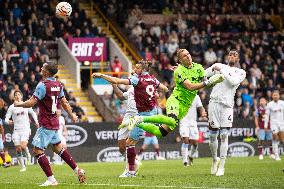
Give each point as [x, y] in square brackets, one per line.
[276, 91]
[18, 91]
[235, 51]
[52, 68]
[179, 53]
[146, 64]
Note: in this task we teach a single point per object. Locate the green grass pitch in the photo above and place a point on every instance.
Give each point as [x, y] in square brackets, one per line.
[239, 173]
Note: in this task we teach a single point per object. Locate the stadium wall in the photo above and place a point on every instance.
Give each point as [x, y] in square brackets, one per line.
[90, 142]
[69, 61]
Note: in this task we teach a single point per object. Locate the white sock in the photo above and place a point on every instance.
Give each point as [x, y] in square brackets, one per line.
[213, 144]
[51, 178]
[184, 152]
[76, 170]
[223, 147]
[275, 147]
[21, 159]
[27, 152]
[193, 149]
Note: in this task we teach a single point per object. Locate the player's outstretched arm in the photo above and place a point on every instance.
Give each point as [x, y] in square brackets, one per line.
[8, 116]
[33, 114]
[27, 104]
[111, 79]
[233, 80]
[118, 92]
[66, 106]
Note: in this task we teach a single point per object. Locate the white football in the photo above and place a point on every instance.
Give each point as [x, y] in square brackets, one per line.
[63, 9]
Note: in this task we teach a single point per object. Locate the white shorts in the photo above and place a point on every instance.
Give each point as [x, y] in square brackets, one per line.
[220, 115]
[19, 137]
[276, 128]
[124, 132]
[63, 140]
[189, 130]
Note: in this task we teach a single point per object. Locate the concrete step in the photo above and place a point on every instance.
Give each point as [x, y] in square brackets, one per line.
[86, 103]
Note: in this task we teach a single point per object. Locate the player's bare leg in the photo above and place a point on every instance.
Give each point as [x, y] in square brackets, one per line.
[224, 134]
[45, 166]
[213, 144]
[65, 155]
[157, 150]
[20, 158]
[184, 151]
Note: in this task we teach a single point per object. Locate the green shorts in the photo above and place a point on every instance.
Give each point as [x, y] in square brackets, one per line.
[177, 108]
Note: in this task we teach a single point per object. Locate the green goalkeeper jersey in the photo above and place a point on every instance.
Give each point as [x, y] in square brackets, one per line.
[194, 74]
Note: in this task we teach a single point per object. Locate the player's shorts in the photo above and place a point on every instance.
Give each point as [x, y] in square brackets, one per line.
[137, 132]
[19, 137]
[175, 107]
[220, 115]
[277, 127]
[44, 137]
[63, 140]
[1, 144]
[150, 141]
[190, 130]
[264, 135]
[124, 132]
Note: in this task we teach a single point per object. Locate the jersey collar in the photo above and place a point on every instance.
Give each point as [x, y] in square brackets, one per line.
[51, 78]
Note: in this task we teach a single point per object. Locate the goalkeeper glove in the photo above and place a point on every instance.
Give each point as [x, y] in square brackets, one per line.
[217, 78]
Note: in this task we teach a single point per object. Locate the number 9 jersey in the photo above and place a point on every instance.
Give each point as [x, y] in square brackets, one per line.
[48, 94]
[145, 87]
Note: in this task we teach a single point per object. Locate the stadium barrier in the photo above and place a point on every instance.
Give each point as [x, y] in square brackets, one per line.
[69, 61]
[90, 142]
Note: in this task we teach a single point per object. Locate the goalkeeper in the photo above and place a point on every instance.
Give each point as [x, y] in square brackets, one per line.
[188, 78]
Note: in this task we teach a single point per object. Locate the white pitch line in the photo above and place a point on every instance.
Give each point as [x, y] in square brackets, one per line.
[131, 185]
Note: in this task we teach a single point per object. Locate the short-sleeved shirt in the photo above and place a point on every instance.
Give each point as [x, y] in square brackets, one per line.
[145, 87]
[194, 74]
[48, 93]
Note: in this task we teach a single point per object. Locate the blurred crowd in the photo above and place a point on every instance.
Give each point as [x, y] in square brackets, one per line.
[26, 29]
[243, 25]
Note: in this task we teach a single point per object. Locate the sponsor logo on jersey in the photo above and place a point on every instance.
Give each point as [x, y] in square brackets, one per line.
[110, 154]
[240, 149]
[55, 89]
[76, 135]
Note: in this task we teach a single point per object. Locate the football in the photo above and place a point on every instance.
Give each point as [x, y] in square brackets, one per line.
[63, 9]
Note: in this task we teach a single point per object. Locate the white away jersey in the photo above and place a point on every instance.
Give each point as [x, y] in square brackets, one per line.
[225, 91]
[275, 113]
[191, 116]
[20, 117]
[61, 125]
[131, 104]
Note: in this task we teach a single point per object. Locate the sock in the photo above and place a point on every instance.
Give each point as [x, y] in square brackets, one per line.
[21, 159]
[213, 144]
[64, 154]
[162, 119]
[223, 148]
[140, 151]
[2, 155]
[275, 147]
[260, 150]
[270, 150]
[44, 164]
[131, 154]
[151, 128]
[27, 152]
[184, 152]
[157, 150]
[193, 149]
